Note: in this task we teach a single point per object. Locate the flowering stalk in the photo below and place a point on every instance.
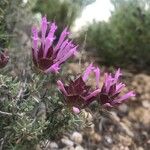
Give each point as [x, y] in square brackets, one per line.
[77, 94]
[48, 56]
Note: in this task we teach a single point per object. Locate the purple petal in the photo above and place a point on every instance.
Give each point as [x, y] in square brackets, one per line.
[67, 55]
[43, 29]
[35, 41]
[124, 97]
[93, 94]
[64, 44]
[97, 74]
[64, 51]
[61, 39]
[88, 70]
[48, 43]
[53, 69]
[117, 75]
[61, 87]
[108, 82]
[50, 38]
[119, 87]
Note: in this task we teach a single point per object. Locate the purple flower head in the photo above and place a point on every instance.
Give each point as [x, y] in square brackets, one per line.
[4, 58]
[48, 56]
[77, 94]
[109, 95]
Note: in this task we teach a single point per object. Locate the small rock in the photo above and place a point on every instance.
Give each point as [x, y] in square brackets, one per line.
[74, 68]
[119, 147]
[67, 142]
[115, 116]
[148, 141]
[140, 148]
[141, 114]
[38, 147]
[125, 140]
[79, 147]
[146, 104]
[68, 148]
[126, 129]
[123, 108]
[96, 138]
[53, 145]
[77, 137]
[108, 139]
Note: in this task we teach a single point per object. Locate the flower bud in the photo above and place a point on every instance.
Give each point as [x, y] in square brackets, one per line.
[4, 58]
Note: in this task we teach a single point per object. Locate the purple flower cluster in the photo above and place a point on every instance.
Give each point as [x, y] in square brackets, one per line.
[111, 89]
[48, 56]
[77, 93]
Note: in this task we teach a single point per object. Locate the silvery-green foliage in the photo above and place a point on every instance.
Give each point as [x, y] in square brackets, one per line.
[29, 114]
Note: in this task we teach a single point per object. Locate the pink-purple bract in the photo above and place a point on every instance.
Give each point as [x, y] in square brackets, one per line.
[77, 94]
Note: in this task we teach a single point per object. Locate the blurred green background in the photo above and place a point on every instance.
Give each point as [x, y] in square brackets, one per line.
[123, 41]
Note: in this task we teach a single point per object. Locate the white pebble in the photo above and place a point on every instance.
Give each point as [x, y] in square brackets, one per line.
[79, 147]
[53, 145]
[67, 142]
[77, 137]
